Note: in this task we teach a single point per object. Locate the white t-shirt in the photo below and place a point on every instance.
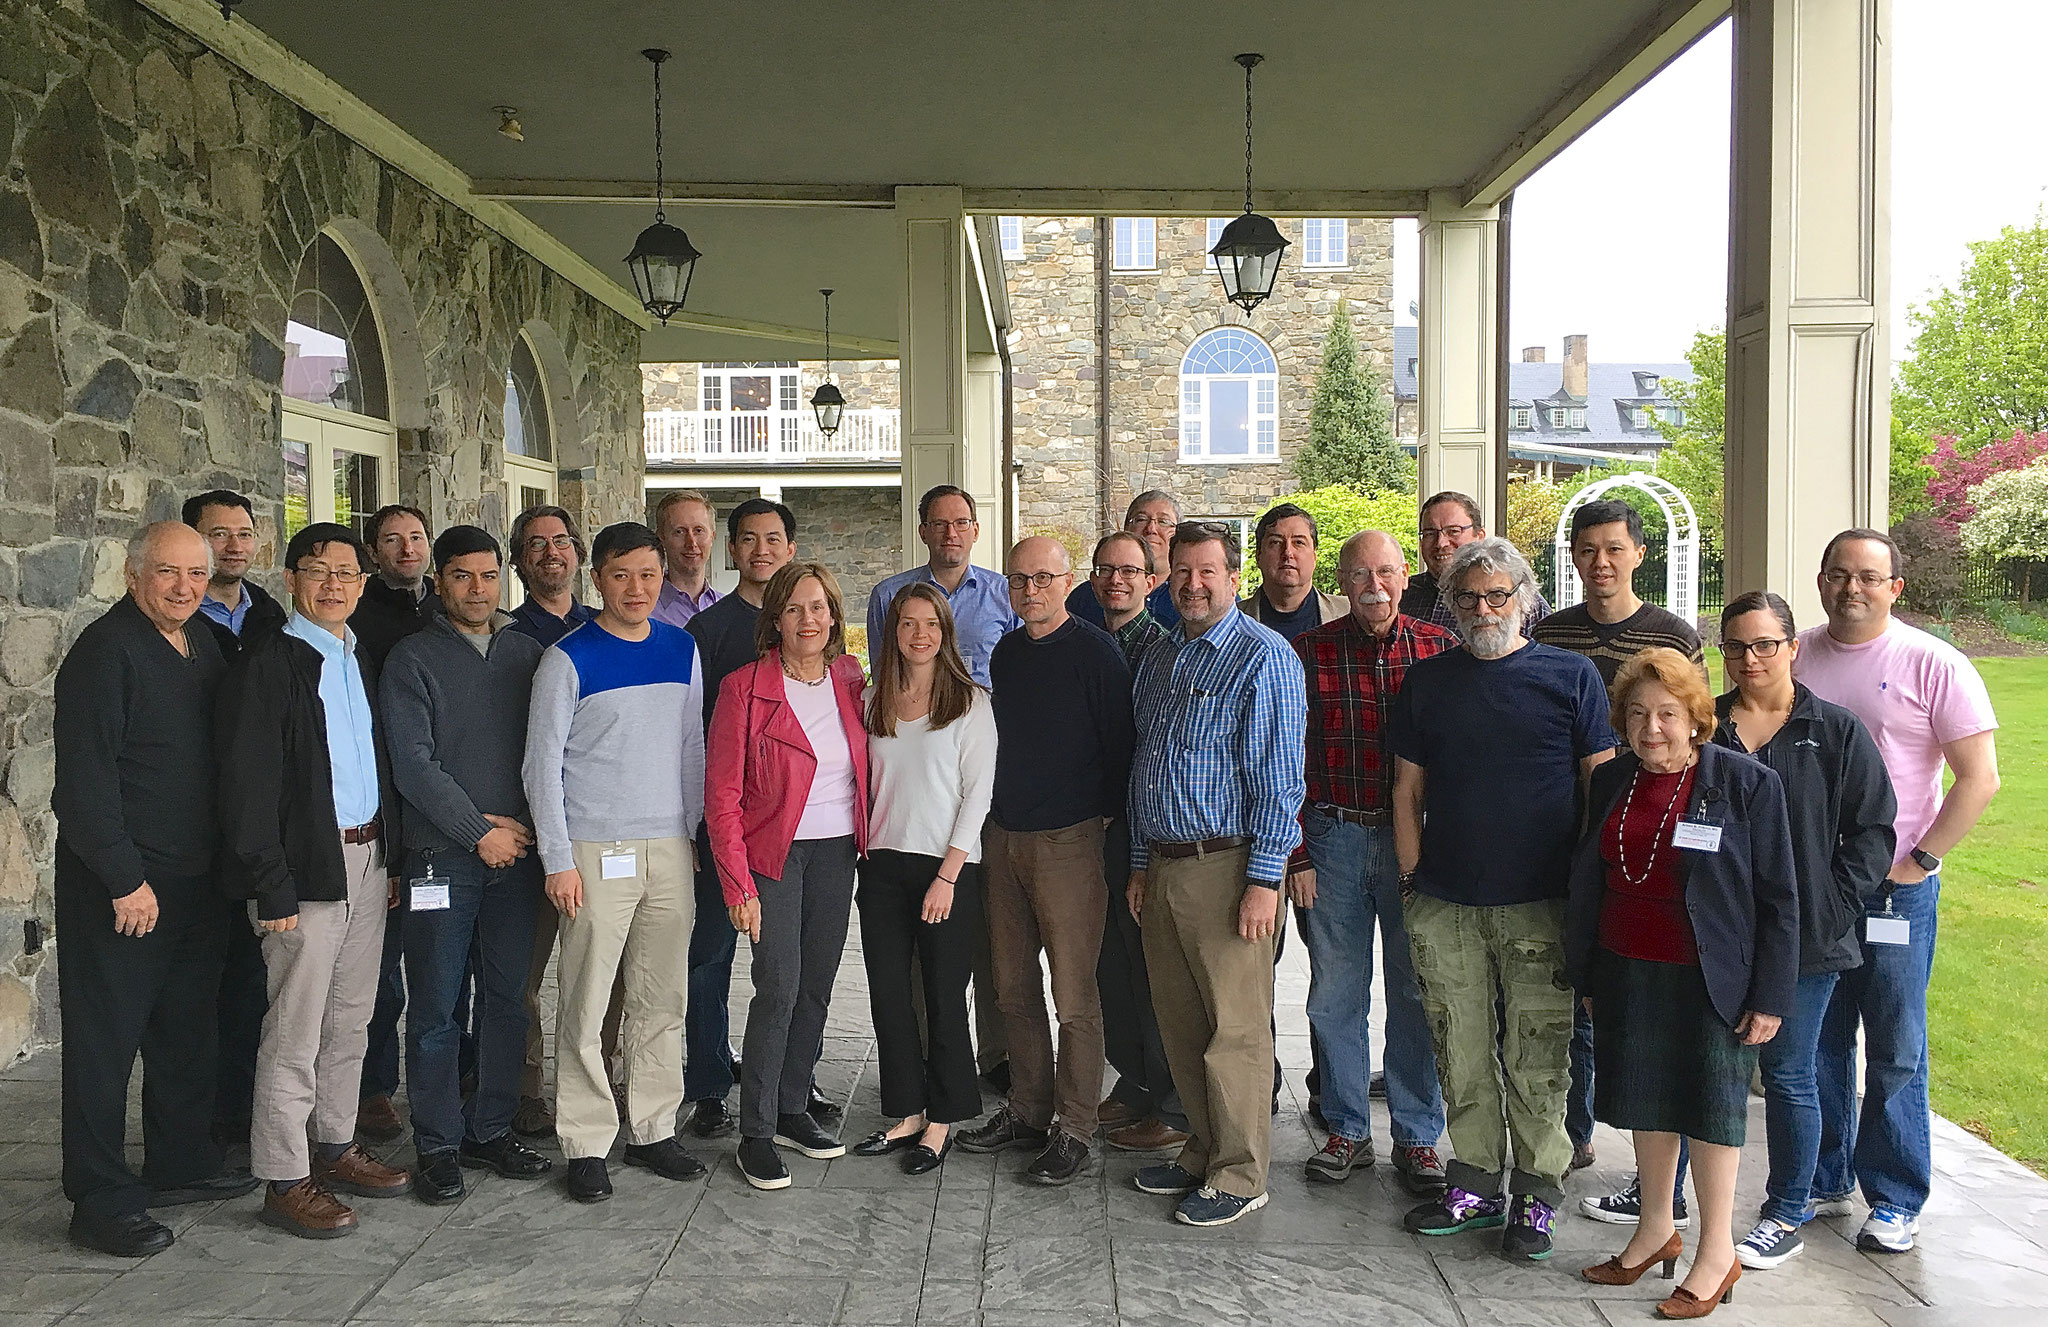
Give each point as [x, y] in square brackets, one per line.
[929, 789]
[1915, 693]
[828, 811]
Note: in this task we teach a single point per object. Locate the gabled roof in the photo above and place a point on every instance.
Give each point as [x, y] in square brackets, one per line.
[1613, 391]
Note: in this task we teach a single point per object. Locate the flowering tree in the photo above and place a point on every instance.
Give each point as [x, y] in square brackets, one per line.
[2009, 520]
[1956, 476]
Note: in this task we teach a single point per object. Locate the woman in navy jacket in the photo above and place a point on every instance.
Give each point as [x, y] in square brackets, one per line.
[1683, 931]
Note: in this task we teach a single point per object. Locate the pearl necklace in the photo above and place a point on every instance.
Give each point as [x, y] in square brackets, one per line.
[809, 682]
[1621, 829]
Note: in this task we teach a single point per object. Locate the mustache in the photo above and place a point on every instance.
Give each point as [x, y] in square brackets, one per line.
[1375, 597]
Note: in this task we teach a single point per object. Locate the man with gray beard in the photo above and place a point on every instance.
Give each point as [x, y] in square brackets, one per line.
[1493, 742]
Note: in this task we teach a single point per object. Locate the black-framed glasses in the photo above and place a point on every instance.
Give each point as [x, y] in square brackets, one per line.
[1037, 579]
[541, 543]
[965, 525]
[1495, 598]
[1762, 649]
[1122, 571]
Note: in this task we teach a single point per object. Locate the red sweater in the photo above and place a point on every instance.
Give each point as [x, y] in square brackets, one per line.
[1643, 915]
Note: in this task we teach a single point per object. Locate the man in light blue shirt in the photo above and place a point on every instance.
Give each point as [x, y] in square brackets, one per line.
[980, 598]
[351, 741]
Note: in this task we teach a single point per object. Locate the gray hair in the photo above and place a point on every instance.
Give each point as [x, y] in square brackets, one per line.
[140, 541]
[1488, 556]
[1152, 495]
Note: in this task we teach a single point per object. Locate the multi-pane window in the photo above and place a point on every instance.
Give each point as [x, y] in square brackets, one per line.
[1010, 230]
[1216, 225]
[1524, 417]
[1134, 244]
[1323, 242]
[1229, 398]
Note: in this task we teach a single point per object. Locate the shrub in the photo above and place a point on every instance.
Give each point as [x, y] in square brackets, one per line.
[1935, 583]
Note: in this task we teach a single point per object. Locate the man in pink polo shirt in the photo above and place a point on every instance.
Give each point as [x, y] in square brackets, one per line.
[1926, 706]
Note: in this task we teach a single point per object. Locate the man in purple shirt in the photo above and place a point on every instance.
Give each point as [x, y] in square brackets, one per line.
[683, 521]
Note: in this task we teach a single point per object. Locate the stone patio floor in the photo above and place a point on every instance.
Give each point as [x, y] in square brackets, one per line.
[855, 1241]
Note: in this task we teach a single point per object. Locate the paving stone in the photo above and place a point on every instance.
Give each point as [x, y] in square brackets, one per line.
[162, 1290]
[476, 1274]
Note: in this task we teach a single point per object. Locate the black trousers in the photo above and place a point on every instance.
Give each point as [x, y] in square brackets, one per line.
[244, 1000]
[122, 994]
[934, 1076]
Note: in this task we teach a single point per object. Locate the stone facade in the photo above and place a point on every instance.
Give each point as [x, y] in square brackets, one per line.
[854, 531]
[867, 383]
[154, 208]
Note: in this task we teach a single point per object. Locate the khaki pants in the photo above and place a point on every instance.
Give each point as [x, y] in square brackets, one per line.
[322, 978]
[1213, 993]
[533, 1079]
[1045, 892]
[1463, 957]
[635, 928]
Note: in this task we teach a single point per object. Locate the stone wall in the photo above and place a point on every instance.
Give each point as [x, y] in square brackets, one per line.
[857, 532]
[867, 383]
[154, 208]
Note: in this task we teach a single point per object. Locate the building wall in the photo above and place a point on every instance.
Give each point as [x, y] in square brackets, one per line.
[869, 384]
[154, 208]
[857, 532]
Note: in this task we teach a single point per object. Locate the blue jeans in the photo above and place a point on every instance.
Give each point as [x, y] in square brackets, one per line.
[1356, 884]
[1888, 1147]
[490, 912]
[707, 1022]
[1792, 1100]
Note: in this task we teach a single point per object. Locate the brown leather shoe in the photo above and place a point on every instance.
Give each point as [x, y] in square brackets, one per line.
[1114, 1114]
[1150, 1134]
[307, 1210]
[356, 1171]
[377, 1119]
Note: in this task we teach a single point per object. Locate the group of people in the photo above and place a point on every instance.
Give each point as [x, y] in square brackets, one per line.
[1599, 891]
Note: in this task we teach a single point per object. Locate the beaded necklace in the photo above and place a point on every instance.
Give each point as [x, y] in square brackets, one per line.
[1621, 827]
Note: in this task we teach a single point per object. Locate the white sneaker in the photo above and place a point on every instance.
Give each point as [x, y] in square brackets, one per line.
[1769, 1245]
[1887, 1231]
[1842, 1206]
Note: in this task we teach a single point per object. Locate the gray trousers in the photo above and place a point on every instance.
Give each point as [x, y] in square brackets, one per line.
[803, 929]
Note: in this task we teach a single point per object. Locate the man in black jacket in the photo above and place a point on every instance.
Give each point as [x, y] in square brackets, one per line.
[309, 812]
[137, 910]
[234, 606]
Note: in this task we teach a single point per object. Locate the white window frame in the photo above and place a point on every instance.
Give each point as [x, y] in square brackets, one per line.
[1524, 417]
[1263, 410]
[1134, 244]
[1010, 235]
[1578, 417]
[523, 472]
[1215, 233]
[323, 431]
[1325, 242]
[1560, 417]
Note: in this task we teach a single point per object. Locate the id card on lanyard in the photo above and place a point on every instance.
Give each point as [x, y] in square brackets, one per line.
[428, 893]
[1887, 927]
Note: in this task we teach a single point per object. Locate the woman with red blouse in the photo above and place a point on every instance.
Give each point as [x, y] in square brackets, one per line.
[1683, 932]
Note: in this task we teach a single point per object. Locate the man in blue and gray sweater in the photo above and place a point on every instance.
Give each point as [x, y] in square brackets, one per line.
[614, 773]
[456, 694]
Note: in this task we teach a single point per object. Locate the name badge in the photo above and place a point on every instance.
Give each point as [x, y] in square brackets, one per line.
[429, 895]
[1887, 930]
[619, 864]
[1697, 836]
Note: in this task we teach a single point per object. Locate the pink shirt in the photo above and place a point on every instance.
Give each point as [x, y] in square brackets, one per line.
[1915, 693]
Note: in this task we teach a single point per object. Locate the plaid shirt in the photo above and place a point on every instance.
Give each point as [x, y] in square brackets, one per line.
[1220, 723]
[1136, 636]
[1352, 681]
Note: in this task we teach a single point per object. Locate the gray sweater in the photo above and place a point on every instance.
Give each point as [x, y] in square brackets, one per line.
[455, 722]
[615, 741]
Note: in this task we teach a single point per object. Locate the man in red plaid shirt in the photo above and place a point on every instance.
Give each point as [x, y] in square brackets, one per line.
[1344, 877]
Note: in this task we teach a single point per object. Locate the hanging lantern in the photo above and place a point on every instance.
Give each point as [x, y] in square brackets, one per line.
[663, 259]
[1248, 252]
[827, 401]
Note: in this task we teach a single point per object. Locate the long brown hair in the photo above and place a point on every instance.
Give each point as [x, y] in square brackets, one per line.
[952, 688]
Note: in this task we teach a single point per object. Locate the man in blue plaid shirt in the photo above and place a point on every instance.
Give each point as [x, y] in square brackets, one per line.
[1216, 793]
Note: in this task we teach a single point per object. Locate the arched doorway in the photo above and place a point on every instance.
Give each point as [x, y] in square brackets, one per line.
[340, 443]
[1682, 531]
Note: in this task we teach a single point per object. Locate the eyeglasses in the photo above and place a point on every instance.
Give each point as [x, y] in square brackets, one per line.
[1166, 523]
[339, 575]
[1495, 598]
[1762, 649]
[1104, 571]
[1443, 531]
[1038, 580]
[965, 525]
[1869, 580]
[541, 543]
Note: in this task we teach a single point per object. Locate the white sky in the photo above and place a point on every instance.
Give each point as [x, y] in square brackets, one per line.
[1624, 235]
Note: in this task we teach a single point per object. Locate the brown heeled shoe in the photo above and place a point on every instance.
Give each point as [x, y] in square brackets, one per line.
[1614, 1272]
[1683, 1304]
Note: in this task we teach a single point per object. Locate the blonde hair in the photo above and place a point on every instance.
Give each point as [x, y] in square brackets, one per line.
[1676, 674]
[781, 589]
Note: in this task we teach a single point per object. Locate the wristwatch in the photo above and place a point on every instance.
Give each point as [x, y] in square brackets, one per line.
[1926, 861]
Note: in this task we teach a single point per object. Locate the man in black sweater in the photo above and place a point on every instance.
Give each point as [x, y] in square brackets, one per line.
[137, 910]
[1064, 735]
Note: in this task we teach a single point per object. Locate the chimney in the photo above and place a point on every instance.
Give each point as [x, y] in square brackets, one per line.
[1575, 366]
[1533, 354]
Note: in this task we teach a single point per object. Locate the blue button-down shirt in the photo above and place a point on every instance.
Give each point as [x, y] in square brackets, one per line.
[351, 738]
[231, 618]
[1222, 723]
[981, 612]
[676, 608]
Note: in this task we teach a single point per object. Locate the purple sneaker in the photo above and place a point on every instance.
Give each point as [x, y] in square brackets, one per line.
[1457, 1210]
[1528, 1233]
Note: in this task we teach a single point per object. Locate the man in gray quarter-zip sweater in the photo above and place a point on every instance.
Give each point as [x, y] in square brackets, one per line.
[456, 694]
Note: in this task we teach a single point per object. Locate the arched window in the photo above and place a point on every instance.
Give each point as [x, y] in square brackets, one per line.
[340, 449]
[529, 432]
[1229, 398]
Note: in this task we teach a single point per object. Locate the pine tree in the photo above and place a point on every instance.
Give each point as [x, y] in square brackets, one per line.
[1350, 429]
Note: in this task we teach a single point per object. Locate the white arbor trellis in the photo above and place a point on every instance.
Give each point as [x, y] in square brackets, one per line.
[1682, 547]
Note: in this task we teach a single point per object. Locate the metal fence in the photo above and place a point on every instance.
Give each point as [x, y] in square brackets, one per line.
[1650, 576]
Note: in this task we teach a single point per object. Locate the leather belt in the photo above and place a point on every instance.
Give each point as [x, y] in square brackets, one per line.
[1363, 819]
[1205, 848]
[362, 833]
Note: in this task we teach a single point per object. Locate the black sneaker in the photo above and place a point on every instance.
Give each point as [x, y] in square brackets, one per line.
[1003, 1130]
[507, 1156]
[1457, 1210]
[1061, 1160]
[1528, 1234]
[1626, 1208]
[712, 1118]
[437, 1179]
[665, 1158]
[1769, 1245]
[1334, 1163]
[761, 1165]
[800, 1133]
[1171, 1180]
[589, 1181]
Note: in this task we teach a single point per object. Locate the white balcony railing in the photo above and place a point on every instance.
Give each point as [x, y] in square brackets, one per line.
[774, 436]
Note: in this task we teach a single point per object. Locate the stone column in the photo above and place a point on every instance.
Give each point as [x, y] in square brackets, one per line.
[1809, 239]
[1458, 357]
[932, 340]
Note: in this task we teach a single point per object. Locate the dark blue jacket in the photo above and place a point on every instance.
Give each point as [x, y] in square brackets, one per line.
[1743, 900]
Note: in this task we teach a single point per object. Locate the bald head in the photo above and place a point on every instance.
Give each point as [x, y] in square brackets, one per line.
[1372, 571]
[167, 569]
[1041, 575]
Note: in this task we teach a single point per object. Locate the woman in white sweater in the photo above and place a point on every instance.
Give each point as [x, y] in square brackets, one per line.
[932, 766]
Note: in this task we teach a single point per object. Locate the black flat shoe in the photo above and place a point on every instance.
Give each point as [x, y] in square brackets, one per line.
[227, 1184]
[589, 1181]
[507, 1156]
[880, 1144]
[922, 1160]
[437, 1180]
[130, 1235]
[823, 1108]
[712, 1118]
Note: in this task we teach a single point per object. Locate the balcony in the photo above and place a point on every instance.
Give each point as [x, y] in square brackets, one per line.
[768, 437]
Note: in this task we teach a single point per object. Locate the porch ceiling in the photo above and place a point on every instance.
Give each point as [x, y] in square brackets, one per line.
[1372, 101]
